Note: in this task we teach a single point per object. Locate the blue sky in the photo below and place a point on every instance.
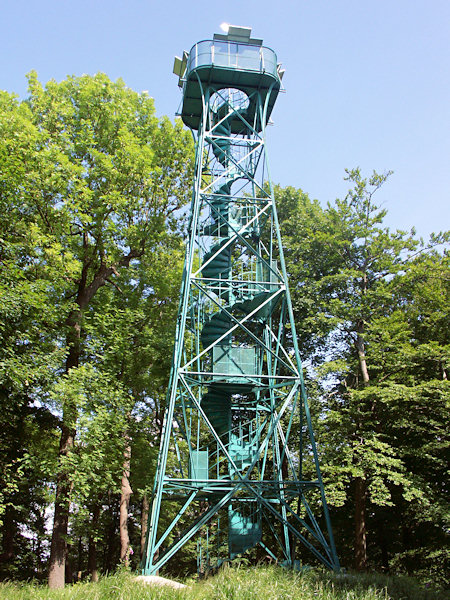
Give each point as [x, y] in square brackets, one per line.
[367, 81]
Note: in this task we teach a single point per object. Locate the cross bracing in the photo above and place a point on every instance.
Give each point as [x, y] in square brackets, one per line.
[237, 427]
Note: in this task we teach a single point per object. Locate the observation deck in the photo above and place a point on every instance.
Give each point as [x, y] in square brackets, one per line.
[223, 63]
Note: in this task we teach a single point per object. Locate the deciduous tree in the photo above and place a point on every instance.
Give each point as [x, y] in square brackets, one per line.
[346, 268]
[106, 182]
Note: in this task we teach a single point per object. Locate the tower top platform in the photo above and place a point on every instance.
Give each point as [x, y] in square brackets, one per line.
[234, 61]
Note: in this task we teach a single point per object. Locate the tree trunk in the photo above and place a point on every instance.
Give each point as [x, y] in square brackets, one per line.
[360, 482]
[9, 533]
[80, 559]
[360, 524]
[111, 545]
[86, 291]
[144, 522]
[125, 495]
[92, 550]
[360, 347]
[58, 548]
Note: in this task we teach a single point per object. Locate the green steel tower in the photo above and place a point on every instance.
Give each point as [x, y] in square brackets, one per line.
[237, 427]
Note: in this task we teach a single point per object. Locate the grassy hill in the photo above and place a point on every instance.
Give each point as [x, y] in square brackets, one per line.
[259, 583]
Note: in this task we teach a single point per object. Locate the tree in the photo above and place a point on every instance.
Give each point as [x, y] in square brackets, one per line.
[130, 340]
[30, 275]
[344, 265]
[107, 182]
[410, 349]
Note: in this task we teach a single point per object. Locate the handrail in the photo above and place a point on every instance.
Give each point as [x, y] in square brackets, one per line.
[236, 55]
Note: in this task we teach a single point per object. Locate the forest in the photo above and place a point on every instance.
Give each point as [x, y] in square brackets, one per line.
[94, 190]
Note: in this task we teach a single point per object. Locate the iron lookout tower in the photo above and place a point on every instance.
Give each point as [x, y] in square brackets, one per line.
[237, 428]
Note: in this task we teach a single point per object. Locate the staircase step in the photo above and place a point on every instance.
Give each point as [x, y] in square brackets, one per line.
[220, 264]
[213, 329]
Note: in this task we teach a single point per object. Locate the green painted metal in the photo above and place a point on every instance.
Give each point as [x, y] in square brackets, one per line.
[237, 426]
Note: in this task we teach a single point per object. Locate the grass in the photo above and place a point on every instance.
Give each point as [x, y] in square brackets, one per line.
[241, 583]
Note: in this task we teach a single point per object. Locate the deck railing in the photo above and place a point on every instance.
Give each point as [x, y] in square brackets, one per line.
[232, 55]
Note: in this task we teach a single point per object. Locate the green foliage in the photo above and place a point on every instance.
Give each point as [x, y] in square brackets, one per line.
[100, 407]
[372, 310]
[92, 183]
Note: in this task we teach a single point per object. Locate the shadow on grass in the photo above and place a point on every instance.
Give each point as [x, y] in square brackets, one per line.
[394, 587]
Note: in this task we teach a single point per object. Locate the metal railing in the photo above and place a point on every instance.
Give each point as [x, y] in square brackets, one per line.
[232, 55]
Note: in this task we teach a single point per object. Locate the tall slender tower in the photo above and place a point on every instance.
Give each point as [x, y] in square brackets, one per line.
[237, 428]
